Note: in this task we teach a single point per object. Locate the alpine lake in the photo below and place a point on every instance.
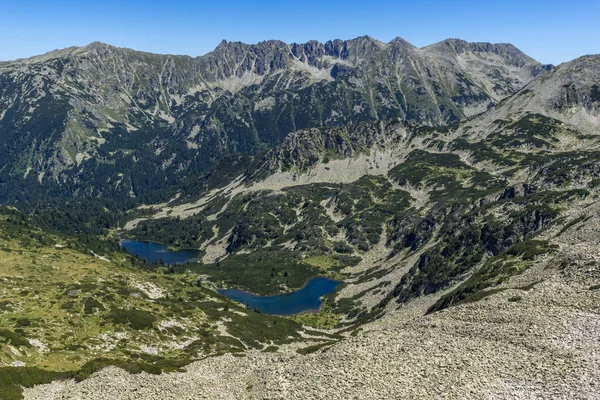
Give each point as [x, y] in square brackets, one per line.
[304, 300]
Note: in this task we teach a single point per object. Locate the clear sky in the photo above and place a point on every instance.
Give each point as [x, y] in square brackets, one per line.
[550, 31]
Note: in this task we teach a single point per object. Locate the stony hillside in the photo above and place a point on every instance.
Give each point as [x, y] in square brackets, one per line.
[469, 255]
[105, 120]
[467, 246]
[537, 337]
[398, 210]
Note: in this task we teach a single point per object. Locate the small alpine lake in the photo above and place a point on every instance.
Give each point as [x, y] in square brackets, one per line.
[155, 252]
[306, 299]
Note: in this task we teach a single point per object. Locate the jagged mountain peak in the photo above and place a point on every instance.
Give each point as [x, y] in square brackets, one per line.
[359, 47]
[367, 39]
[458, 47]
[569, 92]
[398, 41]
[264, 44]
[364, 46]
[223, 43]
[98, 44]
[238, 98]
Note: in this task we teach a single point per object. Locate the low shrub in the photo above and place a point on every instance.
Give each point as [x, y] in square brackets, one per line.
[136, 319]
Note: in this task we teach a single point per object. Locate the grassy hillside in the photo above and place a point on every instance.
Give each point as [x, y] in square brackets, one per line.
[66, 312]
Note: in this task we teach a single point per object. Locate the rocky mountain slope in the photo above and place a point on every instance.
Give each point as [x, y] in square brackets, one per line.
[468, 252]
[536, 339]
[479, 270]
[105, 120]
[401, 211]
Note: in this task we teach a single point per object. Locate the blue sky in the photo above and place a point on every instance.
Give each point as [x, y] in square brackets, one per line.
[549, 31]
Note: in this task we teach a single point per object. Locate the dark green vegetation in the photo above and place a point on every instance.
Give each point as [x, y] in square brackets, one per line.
[468, 235]
[532, 130]
[14, 379]
[448, 179]
[13, 338]
[510, 262]
[136, 319]
[460, 226]
[595, 94]
[289, 236]
[314, 348]
[459, 230]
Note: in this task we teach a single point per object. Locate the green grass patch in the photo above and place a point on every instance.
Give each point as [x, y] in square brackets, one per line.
[13, 379]
[324, 262]
[326, 318]
[13, 338]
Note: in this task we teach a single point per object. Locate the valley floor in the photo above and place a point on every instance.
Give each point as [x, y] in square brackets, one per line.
[539, 341]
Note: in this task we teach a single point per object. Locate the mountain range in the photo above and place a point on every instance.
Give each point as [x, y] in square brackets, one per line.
[105, 120]
[452, 190]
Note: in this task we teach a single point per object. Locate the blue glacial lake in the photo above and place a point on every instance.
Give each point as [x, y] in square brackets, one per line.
[306, 299]
[156, 252]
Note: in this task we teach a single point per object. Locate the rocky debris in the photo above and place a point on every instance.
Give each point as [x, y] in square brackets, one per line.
[149, 350]
[305, 149]
[152, 291]
[378, 258]
[41, 346]
[99, 257]
[215, 251]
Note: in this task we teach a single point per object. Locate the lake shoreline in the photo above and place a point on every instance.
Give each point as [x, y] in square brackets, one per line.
[154, 252]
[277, 294]
[169, 248]
[307, 299]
